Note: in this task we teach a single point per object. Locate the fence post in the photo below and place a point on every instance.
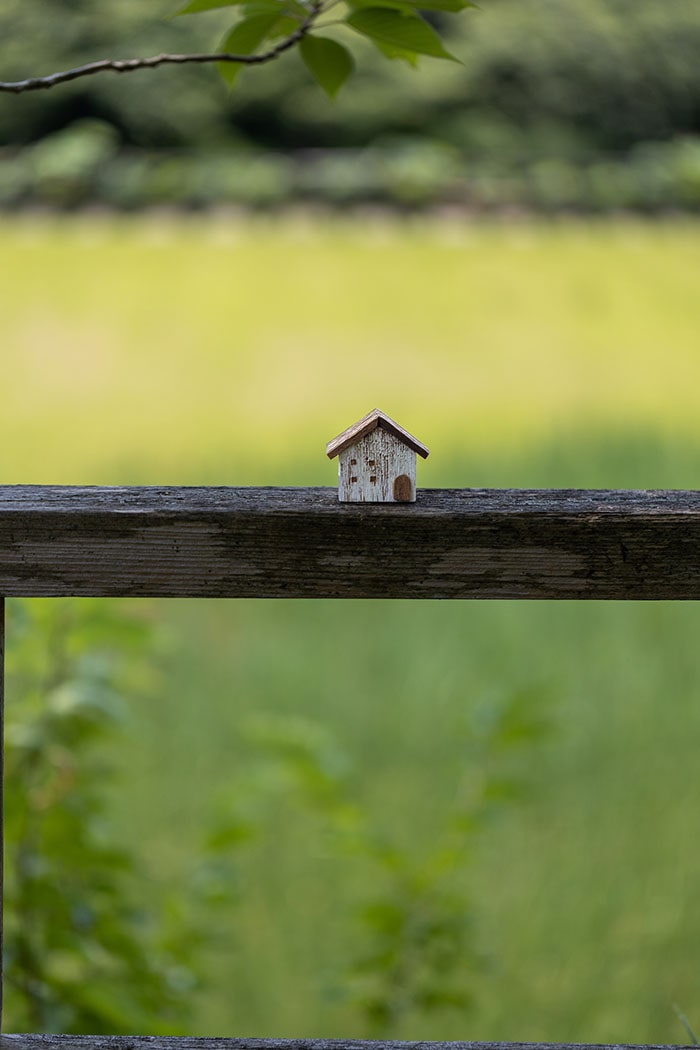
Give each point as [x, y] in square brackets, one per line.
[2, 783]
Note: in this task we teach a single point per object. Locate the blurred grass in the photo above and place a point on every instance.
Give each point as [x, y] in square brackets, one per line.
[155, 351]
[170, 352]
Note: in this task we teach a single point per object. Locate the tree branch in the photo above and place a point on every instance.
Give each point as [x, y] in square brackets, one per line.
[130, 65]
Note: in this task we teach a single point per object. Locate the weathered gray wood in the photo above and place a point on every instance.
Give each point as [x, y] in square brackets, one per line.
[367, 471]
[252, 542]
[126, 1042]
[2, 786]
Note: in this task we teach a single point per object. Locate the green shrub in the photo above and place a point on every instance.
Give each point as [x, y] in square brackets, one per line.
[80, 954]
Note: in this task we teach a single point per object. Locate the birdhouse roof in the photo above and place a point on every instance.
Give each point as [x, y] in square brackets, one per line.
[366, 425]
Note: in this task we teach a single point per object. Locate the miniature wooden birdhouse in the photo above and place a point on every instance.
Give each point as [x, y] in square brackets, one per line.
[376, 461]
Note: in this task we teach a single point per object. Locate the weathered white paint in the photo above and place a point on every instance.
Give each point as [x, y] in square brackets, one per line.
[367, 470]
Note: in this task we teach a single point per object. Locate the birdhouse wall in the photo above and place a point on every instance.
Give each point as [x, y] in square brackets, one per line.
[367, 470]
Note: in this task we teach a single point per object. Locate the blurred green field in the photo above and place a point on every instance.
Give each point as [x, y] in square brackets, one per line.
[228, 352]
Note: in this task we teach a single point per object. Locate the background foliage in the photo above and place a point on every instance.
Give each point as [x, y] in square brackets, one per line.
[560, 354]
[82, 954]
[579, 104]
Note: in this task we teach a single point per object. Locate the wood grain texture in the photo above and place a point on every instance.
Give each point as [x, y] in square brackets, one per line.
[303, 543]
[367, 470]
[126, 1042]
[2, 789]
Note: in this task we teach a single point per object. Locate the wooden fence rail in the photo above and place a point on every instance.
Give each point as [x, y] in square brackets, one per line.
[127, 1042]
[302, 543]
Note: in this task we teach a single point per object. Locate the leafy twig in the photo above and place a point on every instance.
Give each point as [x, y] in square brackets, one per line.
[131, 65]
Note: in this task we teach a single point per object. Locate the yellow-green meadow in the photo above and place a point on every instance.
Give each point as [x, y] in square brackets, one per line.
[165, 351]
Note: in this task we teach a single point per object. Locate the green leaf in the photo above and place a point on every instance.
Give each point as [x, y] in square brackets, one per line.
[453, 6]
[396, 5]
[411, 6]
[205, 5]
[393, 28]
[244, 39]
[328, 62]
[284, 26]
[397, 53]
[286, 8]
[261, 7]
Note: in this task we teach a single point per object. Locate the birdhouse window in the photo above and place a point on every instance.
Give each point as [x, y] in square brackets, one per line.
[373, 479]
[353, 479]
[353, 462]
[371, 463]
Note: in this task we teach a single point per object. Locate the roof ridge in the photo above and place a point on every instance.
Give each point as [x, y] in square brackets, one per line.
[375, 418]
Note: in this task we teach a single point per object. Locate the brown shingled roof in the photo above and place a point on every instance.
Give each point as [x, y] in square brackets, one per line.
[366, 425]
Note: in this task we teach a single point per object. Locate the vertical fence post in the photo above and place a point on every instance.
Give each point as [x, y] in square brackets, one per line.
[2, 763]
